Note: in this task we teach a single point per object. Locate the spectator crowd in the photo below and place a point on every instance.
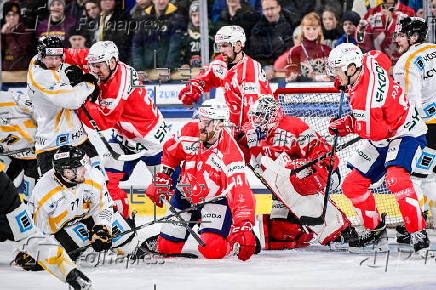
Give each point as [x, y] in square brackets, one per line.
[291, 37]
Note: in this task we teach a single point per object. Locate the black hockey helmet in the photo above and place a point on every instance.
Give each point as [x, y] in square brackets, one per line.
[68, 157]
[413, 25]
[50, 45]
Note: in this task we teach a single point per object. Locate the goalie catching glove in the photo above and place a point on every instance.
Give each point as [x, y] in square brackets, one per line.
[308, 181]
[342, 126]
[160, 188]
[243, 235]
[191, 92]
[101, 238]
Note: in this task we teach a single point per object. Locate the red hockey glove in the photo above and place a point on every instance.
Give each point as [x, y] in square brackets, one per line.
[191, 92]
[243, 235]
[101, 238]
[161, 187]
[307, 181]
[338, 85]
[342, 126]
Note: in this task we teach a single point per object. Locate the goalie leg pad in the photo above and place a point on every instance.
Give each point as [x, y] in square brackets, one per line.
[398, 181]
[216, 247]
[286, 235]
[309, 205]
[356, 188]
[166, 246]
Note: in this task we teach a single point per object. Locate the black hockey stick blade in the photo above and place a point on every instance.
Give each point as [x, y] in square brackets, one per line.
[147, 250]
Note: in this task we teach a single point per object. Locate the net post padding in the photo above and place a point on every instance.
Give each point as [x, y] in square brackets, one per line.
[316, 103]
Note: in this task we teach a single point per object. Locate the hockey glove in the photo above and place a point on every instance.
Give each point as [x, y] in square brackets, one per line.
[74, 74]
[342, 126]
[243, 235]
[307, 181]
[90, 78]
[338, 85]
[191, 92]
[101, 238]
[160, 188]
[26, 262]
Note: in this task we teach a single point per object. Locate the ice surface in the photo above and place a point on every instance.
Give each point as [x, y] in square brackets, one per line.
[315, 267]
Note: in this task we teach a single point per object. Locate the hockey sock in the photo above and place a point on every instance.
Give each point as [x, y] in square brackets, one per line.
[118, 195]
[355, 187]
[169, 247]
[398, 181]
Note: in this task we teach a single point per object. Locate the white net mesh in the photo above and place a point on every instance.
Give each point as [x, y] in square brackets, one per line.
[316, 106]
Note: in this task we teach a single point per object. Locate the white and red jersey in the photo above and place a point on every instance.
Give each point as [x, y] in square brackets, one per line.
[292, 136]
[242, 85]
[212, 171]
[379, 105]
[123, 104]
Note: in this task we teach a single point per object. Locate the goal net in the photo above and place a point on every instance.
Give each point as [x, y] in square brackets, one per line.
[316, 104]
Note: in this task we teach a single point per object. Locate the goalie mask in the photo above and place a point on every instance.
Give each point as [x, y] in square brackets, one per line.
[69, 165]
[213, 115]
[265, 114]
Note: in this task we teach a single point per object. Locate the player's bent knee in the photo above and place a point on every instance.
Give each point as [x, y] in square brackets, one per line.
[355, 184]
[398, 179]
[216, 246]
[169, 247]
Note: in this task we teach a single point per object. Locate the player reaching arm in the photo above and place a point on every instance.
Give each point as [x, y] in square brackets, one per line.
[241, 77]
[54, 98]
[395, 134]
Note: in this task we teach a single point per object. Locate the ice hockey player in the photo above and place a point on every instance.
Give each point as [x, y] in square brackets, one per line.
[395, 136]
[123, 104]
[212, 165]
[415, 72]
[287, 142]
[16, 224]
[71, 202]
[241, 77]
[17, 134]
[54, 98]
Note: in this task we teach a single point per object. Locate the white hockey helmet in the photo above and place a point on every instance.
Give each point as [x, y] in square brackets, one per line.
[230, 34]
[214, 109]
[343, 56]
[102, 51]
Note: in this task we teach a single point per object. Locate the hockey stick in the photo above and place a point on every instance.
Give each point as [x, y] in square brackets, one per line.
[10, 153]
[114, 154]
[144, 247]
[312, 221]
[154, 221]
[186, 224]
[322, 157]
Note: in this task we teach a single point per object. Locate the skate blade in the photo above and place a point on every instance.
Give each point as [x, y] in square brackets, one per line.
[381, 247]
[339, 247]
[370, 249]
